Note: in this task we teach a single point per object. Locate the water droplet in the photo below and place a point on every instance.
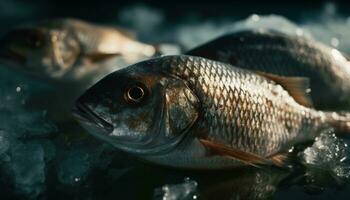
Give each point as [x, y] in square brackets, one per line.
[194, 196]
[255, 17]
[299, 32]
[18, 89]
[291, 150]
[334, 42]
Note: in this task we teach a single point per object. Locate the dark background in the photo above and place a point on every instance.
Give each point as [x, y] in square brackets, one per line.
[19, 11]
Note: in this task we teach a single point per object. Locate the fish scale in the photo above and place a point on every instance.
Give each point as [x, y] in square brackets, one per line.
[281, 54]
[191, 112]
[234, 121]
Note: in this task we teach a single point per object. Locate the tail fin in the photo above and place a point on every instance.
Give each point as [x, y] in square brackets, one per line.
[339, 121]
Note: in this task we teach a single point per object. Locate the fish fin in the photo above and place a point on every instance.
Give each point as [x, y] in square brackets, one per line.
[246, 157]
[280, 159]
[98, 56]
[340, 122]
[297, 87]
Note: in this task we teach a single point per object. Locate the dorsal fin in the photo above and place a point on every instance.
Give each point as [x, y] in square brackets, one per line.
[297, 87]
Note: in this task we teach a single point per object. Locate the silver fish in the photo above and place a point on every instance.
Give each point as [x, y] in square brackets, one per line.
[191, 112]
[285, 55]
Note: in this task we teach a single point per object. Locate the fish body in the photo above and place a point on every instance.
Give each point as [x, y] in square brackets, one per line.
[191, 112]
[69, 55]
[285, 55]
[69, 49]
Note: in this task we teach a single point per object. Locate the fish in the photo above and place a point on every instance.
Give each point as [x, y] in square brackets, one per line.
[278, 53]
[68, 56]
[69, 49]
[195, 113]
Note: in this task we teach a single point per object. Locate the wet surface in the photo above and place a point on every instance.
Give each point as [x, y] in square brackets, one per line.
[44, 159]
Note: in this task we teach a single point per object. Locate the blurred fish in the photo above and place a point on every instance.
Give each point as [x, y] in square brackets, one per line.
[66, 49]
[191, 112]
[68, 55]
[285, 55]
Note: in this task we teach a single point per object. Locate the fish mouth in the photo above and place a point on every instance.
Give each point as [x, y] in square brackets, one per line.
[84, 114]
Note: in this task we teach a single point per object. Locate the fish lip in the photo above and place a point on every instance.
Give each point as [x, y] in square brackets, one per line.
[84, 113]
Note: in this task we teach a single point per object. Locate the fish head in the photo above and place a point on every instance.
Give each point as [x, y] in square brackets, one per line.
[39, 50]
[139, 109]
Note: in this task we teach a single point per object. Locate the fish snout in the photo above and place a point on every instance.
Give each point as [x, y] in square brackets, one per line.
[85, 114]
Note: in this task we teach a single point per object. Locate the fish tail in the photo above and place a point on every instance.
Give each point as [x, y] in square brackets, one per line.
[339, 121]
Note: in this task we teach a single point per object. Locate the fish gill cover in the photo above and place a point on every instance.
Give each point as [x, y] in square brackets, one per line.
[38, 160]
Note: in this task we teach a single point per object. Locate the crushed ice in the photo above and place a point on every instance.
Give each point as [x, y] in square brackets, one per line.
[328, 153]
[183, 191]
[28, 143]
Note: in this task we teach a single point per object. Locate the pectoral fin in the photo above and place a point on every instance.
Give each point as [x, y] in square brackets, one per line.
[98, 56]
[246, 157]
[297, 87]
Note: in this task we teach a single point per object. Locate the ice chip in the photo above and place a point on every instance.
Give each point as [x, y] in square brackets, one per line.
[28, 169]
[342, 171]
[183, 191]
[4, 143]
[328, 153]
[49, 149]
[74, 168]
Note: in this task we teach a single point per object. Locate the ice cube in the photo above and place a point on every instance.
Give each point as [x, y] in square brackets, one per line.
[184, 191]
[75, 167]
[4, 143]
[28, 169]
[328, 153]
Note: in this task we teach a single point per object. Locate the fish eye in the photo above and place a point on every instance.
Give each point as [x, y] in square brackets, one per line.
[135, 94]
